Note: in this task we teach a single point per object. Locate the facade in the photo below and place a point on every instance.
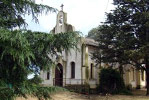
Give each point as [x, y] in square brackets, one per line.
[76, 67]
[134, 78]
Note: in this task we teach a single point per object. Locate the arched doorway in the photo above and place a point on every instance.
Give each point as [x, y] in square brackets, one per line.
[59, 75]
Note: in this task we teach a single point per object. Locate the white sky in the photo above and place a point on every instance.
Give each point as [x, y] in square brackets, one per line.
[82, 14]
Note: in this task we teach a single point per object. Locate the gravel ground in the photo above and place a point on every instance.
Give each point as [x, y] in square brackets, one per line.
[75, 96]
[138, 95]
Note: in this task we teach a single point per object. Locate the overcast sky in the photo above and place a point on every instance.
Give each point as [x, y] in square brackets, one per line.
[82, 14]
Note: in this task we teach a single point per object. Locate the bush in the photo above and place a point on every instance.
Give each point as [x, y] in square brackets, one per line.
[129, 87]
[110, 81]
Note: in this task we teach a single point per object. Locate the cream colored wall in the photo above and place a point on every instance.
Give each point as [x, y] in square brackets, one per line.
[130, 77]
[143, 82]
[140, 82]
[126, 78]
[92, 49]
[87, 61]
[133, 77]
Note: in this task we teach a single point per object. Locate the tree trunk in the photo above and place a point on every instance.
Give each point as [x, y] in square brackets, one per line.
[147, 77]
[121, 70]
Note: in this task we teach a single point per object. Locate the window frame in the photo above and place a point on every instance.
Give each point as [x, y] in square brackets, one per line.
[72, 70]
[48, 75]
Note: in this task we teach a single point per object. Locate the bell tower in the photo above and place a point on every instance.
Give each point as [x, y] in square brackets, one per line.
[61, 23]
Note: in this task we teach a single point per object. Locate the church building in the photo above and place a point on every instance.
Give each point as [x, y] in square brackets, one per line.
[77, 68]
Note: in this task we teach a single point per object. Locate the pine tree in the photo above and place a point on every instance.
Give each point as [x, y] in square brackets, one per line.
[124, 37]
[23, 52]
[12, 12]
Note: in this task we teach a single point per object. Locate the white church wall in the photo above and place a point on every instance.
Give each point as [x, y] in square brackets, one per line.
[94, 80]
[47, 82]
[74, 56]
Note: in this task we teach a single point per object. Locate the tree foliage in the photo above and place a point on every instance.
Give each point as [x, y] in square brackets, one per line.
[23, 52]
[124, 37]
[93, 33]
[22, 49]
[110, 81]
[12, 12]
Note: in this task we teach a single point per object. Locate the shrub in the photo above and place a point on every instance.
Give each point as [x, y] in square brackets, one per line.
[129, 87]
[110, 81]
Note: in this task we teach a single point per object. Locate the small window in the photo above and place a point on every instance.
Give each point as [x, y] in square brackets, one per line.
[72, 70]
[48, 75]
[91, 72]
[133, 72]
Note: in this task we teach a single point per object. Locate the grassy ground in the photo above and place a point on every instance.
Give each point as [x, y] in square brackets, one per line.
[138, 95]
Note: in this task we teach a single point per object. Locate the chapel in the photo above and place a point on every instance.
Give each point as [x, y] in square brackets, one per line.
[77, 67]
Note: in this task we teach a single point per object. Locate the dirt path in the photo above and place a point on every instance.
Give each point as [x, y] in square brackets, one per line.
[75, 96]
[139, 92]
[138, 95]
[69, 96]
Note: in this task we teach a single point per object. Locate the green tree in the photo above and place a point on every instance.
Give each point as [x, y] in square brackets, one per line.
[93, 33]
[12, 12]
[111, 50]
[124, 37]
[110, 81]
[21, 50]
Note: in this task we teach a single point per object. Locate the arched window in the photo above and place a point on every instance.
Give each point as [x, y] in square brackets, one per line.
[91, 71]
[48, 75]
[72, 70]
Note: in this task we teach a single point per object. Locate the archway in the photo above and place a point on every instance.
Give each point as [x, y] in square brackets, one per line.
[59, 75]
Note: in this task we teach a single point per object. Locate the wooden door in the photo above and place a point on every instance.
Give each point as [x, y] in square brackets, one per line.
[59, 75]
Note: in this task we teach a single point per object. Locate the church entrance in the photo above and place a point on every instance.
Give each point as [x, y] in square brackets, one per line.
[59, 75]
